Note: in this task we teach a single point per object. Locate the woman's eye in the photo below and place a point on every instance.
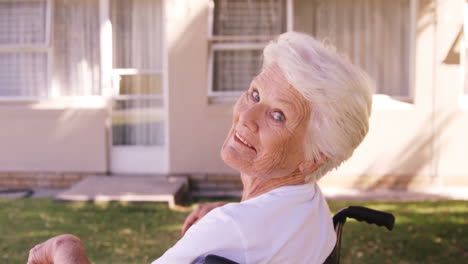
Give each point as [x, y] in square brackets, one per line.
[278, 116]
[255, 96]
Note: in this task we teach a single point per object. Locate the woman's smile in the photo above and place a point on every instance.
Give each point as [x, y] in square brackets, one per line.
[238, 138]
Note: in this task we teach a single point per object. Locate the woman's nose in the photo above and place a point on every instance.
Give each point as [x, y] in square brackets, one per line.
[250, 117]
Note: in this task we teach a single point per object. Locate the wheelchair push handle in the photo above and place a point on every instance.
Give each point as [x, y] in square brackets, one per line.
[368, 215]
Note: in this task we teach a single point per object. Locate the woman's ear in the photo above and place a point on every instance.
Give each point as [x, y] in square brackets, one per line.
[308, 167]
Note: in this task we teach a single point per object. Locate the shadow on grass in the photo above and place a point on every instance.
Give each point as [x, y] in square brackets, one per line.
[424, 232]
[112, 232]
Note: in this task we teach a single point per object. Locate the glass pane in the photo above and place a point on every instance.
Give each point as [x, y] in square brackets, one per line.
[234, 69]
[138, 122]
[76, 46]
[22, 22]
[140, 84]
[137, 33]
[374, 34]
[250, 18]
[23, 74]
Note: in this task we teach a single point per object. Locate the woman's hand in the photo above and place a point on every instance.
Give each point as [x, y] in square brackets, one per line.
[200, 211]
[62, 249]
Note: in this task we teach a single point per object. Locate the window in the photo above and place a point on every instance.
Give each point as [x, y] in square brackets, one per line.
[76, 59]
[138, 109]
[374, 34]
[45, 53]
[240, 29]
[24, 52]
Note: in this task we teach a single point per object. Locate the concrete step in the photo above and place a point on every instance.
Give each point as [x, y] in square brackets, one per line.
[129, 188]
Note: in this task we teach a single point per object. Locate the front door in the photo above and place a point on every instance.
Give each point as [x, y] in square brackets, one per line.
[138, 105]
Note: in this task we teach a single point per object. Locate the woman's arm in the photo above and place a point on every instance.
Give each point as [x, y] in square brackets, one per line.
[62, 249]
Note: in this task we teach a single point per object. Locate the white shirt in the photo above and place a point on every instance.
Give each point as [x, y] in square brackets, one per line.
[290, 224]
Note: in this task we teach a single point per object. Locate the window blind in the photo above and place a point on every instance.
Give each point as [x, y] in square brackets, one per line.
[23, 59]
[242, 22]
[374, 34]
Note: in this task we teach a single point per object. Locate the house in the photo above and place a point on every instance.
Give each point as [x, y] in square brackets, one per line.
[106, 87]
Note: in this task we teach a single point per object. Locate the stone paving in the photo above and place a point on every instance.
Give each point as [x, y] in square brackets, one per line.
[127, 188]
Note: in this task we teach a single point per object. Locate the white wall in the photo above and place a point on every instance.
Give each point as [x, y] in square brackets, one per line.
[52, 138]
[451, 120]
[196, 128]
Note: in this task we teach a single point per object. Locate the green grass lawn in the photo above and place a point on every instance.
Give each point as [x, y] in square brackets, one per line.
[425, 232]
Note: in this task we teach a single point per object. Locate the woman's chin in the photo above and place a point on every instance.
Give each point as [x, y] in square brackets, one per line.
[228, 158]
[232, 158]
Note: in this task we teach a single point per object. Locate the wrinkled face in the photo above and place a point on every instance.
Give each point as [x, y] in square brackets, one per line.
[269, 123]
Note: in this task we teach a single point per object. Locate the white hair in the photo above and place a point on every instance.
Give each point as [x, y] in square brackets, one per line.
[339, 93]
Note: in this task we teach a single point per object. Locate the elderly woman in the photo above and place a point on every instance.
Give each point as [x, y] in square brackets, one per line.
[302, 116]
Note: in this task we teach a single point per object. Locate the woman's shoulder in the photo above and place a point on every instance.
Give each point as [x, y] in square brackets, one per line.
[271, 202]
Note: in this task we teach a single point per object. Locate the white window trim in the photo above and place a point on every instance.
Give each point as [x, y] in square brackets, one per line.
[383, 101]
[232, 43]
[40, 47]
[134, 71]
[105, 48]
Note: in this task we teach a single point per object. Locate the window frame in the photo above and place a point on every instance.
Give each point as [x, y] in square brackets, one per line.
[44, 47]
[235, 43]
[232, 47]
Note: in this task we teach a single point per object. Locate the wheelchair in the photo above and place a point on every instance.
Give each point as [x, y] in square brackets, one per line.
[339, 219]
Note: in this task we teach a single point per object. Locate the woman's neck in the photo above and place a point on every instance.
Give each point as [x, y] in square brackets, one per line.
[255, 186]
